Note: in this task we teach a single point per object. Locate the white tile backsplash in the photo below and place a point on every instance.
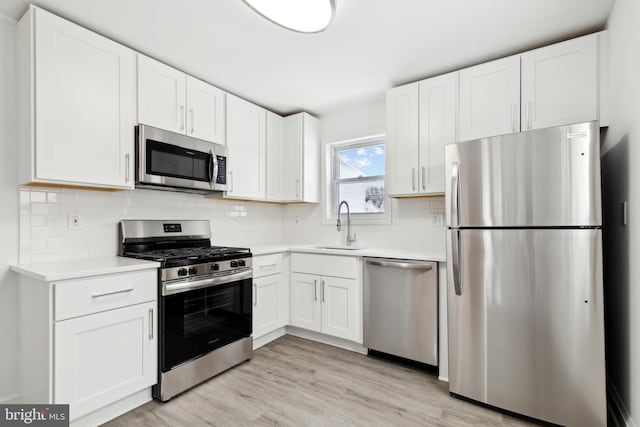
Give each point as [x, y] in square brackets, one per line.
[45, 234]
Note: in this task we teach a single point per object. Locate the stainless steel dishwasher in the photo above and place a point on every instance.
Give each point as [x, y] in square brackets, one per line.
[401, 308]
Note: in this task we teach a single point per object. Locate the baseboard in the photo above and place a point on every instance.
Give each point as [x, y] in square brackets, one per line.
[616, 407]
[267, 338]
[8, 399]
[326, 339]
[114, 410]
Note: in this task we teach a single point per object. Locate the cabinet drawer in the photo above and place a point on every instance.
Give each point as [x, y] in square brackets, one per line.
[267, 264]
[325, 265]
[92, 295]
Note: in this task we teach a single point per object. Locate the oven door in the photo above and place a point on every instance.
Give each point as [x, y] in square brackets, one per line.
[197, 321]
[173, 160]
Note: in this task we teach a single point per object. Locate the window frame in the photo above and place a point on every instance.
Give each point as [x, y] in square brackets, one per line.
[330, 182]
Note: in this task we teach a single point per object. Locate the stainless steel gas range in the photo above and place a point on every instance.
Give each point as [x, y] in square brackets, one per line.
[204, 299]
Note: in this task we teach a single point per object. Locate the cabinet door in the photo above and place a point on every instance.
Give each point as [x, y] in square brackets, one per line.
[246, 136]
[437, 128]
[560, 84]
[84, 106]
[305, 303]
[161, 95]
[341, 314]
[104, 357]
[490, 99]
[310, 180]
[268, 312]
[293, 157]
[205, 111]
[402, 140]
[274, 164]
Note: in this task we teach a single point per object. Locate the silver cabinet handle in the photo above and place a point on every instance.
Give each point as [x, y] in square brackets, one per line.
[255, 293]
[424, 178]
[408, 265]
[529, 114]
[322, 289]
[230, 181]
[192, 120]
[514, 121]
[315, 289]
[297, 187]
[455, 195]
[126, 167]
[182, 117]
[413, 179]
[105, 294]
[150, 324]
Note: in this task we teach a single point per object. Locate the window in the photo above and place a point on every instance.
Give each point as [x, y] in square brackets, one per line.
[358, 177]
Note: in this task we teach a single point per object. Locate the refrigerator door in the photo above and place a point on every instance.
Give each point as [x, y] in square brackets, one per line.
[526, 327]
[541, 178]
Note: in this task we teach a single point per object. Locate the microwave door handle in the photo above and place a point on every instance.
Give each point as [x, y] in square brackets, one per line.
[214, 170]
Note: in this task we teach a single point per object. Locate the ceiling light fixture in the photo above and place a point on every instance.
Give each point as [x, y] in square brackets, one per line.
[303, 16]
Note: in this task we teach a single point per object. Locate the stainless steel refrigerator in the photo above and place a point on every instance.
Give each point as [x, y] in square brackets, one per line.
[524, 267]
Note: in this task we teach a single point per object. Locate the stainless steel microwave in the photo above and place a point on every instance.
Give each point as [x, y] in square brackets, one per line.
[171, 161]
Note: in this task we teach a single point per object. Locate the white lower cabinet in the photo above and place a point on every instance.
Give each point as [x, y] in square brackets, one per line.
[325, 302]
[104, 357]
[270, 297]
[89, 342]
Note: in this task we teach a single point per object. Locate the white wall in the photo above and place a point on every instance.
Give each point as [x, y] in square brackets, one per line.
[411, 219]
[621, 181]
[46, 236]
[8, 214]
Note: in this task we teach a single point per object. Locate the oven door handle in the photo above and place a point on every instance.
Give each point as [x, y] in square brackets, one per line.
[176, 288]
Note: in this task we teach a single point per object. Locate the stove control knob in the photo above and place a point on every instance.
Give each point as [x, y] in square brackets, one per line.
[182, 272]
[193, 270]
[234, 263]
[241, 263]
[215, 267]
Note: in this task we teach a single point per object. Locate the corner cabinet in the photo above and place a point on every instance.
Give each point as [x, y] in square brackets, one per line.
[76, 104]
[301, 161]
[172, 100]
[326, 295]
[246, 142]
[275, 156]
[421, 119]
[90, 342]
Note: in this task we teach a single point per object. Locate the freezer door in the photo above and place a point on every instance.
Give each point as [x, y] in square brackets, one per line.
[526, 326]
[540, 178]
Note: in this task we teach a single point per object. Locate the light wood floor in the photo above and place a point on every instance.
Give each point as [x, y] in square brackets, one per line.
[296, 382]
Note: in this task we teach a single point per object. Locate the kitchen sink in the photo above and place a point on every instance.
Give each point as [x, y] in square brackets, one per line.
[340, 247]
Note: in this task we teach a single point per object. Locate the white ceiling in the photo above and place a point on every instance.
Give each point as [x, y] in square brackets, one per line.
[372, 45]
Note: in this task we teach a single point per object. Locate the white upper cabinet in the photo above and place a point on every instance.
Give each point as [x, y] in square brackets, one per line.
[301, 159]
[162, 92]
[560, 83]
[490, 99]
[246, 142]
[172, 100]
[205, 111]
[275, 166]
[402, 139]
[77, 104]
[421, 119]
[437, 97]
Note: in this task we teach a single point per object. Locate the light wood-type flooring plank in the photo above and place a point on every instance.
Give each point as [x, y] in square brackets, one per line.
[296, 382]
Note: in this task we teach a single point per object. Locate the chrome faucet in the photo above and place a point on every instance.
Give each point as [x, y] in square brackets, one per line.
[350, 238]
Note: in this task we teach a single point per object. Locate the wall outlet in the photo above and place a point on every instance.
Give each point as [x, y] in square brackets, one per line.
[297, 220]
[75, 222]
[437, 220]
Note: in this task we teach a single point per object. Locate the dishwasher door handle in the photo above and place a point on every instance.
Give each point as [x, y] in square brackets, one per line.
[407, 265]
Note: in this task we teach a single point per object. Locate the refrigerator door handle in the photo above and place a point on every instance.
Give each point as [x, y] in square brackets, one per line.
[456, 255]
[455, 195]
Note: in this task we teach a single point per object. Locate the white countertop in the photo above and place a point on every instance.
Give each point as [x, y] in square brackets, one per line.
[420, 255]
[74, 269]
